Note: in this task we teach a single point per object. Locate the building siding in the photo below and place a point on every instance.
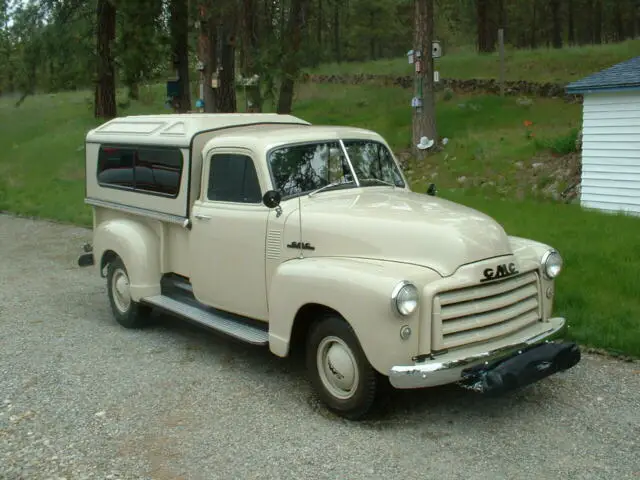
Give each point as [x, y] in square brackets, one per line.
[611, 152]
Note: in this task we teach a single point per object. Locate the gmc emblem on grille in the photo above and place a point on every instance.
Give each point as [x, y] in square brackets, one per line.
[501, 271]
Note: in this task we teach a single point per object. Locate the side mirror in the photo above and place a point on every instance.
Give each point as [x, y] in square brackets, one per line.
[432, 190]
[272, 198]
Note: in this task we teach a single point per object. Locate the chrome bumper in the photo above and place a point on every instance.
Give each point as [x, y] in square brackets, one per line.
[450, 367]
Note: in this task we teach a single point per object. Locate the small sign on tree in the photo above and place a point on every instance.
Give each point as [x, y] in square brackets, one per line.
[423, 103]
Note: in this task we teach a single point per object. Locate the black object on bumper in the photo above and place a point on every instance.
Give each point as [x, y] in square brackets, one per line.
[85, 260]
[523, 368]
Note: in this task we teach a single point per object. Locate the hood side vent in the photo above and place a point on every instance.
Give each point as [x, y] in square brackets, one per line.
[274, 244]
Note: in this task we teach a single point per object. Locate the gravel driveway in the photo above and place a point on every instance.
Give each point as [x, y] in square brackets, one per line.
[81, 397]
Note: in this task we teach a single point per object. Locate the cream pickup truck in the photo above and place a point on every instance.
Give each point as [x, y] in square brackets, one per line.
[284, 234]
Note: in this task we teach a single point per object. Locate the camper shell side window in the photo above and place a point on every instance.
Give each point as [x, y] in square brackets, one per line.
[151, 170]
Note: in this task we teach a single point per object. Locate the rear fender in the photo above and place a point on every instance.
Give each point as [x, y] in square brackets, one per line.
[139, 248]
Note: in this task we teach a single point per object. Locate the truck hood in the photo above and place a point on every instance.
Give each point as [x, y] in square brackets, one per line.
[395, 225]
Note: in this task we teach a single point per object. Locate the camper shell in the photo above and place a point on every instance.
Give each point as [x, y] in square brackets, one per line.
[284, 234]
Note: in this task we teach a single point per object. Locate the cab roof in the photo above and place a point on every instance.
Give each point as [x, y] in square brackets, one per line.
[262, 138]
[178, 129]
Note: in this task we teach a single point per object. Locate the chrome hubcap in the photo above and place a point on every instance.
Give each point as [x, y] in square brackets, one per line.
[121, 291]
[337, 367]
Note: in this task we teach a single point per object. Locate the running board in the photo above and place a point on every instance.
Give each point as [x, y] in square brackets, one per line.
[220, 321]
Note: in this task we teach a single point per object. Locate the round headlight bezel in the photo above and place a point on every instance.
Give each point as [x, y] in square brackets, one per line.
[402, 289]
[547, 258]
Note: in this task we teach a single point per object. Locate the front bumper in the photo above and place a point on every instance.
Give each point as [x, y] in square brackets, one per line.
[499, 369]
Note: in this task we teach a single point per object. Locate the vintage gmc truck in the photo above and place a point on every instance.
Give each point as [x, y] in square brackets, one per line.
[281, 233]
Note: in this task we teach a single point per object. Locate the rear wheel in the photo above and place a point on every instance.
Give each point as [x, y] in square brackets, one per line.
[339, 370]
[128, 313]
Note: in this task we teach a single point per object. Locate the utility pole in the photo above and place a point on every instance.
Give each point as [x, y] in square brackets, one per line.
[423, 103]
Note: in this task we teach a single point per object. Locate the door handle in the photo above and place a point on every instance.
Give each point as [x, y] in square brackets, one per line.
[202, 217]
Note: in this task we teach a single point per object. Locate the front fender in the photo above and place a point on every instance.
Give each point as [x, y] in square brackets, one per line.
[139, 248]
[529, 254]
[360, 290]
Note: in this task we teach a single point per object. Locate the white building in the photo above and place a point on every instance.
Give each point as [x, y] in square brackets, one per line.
[611, 138]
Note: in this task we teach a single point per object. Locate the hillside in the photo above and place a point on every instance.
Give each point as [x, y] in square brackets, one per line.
[503, 157]
[539, 65]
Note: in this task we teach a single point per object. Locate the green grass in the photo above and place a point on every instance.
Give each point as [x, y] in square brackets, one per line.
[598, 290]
[492, 141]
[42, 162]
[540, 65]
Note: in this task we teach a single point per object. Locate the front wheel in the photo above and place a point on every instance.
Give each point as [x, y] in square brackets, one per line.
[339, 370]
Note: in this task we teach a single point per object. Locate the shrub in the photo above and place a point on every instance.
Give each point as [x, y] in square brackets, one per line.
[562, 145]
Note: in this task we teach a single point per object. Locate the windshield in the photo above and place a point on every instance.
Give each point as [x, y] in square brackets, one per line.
[373, 161]
[299, 169]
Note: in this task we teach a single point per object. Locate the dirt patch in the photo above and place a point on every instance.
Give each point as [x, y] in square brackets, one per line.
[71, 174]
[546, 175]
[551, 176]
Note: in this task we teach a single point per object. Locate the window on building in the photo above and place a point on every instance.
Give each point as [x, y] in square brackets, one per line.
[233, 178]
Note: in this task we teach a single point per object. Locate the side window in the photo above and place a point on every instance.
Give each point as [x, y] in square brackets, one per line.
[115, 166]
[145, 169]
[158, 170]
[233, 178]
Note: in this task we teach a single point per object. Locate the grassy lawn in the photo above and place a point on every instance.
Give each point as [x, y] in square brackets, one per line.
[494, 144]
[492, 141]
[598, 290]
[539, 65]
[42, 164]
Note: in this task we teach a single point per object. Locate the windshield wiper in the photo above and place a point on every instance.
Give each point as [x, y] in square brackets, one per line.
[331, 185]
[379, 181]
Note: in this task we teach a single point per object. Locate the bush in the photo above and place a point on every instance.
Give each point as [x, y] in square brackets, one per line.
[562, 145]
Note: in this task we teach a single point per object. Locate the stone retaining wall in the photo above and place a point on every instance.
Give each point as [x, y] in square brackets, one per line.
[491, 86]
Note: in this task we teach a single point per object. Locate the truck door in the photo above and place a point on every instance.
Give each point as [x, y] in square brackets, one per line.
[227, 239]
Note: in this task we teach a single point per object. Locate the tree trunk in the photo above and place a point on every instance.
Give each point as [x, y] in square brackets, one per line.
[502, 18]
[619, 33]
[226, 94]
[556, 39]
[424, 116]
[336, 31]
[534, 42]
[634, 19]
[291, 65]
[572, 34]
[584, 25]
[105, 91]
[179, 24]
[372, 38]
[485, 27]
[134, 90]
[207, 41]
[481, 9]
[320, 27]
[597, 22]
[210, 68]
[250, 38]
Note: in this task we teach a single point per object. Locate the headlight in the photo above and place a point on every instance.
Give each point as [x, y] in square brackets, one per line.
[404, 298]
[551, 264]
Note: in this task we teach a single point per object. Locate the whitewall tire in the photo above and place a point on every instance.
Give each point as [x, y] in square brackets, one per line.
[127, 313]
[339, 369]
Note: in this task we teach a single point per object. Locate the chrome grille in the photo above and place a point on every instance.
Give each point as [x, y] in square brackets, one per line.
[484, 312]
